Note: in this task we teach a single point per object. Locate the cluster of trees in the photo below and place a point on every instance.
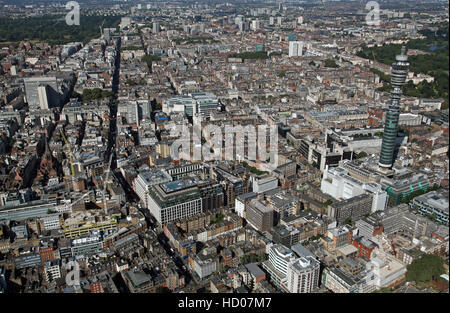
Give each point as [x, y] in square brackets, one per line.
[423, 89]
[162, 290]
[436, 46]
[435, 63]
[383, 54]
[252, 169]
[132, 48]
[428, 267]
[95, 94]
[53, 29]
[331, 63]
[361, 155]
[2, 56]
[250, 55]
[150, 58]
[404, 131]
[362, 135]
[224, 268]
[385, 78]
[195, 40]
[275, 53]
[217, 219]
[157, 107]
[253, 258]
[316, 237]
[311, 239]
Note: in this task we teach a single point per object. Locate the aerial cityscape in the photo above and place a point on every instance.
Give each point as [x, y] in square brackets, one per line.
[209, 146]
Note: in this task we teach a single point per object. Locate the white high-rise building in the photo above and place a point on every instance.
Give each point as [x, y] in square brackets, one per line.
[243, 26]
[138, 110]
[279, 20]
[156, 27]
[145, 180]
[297, 272]
[300, 20]
[271, 20]
[280, 257]
[255, 24]
[39, 90]
[52, 271]
[43, 97]
[174, 200]
[13, 70]
[303, 275]
[295, 48]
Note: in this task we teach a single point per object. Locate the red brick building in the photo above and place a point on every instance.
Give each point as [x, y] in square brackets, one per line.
[47, 254]
[365, 247]
[96, 288]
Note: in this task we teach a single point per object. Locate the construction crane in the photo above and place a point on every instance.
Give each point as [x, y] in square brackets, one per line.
[70, 153]
[79, 199]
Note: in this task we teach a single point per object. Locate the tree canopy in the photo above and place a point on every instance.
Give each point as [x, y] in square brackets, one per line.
[217, 219]
[53, 29]
[131, 48]
[95, 94]
[331, 63]
[362, 154]
[250, 55]
[428, 267]
[434, 62]
[253, 258]
[252, 169]
[195, 40]
[150, 58]
[131, 82]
